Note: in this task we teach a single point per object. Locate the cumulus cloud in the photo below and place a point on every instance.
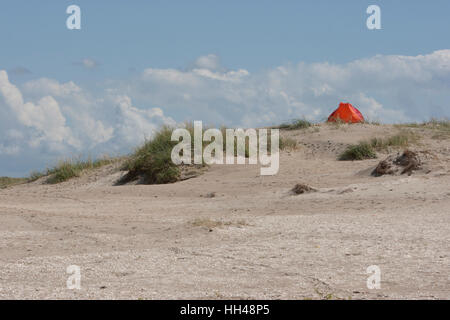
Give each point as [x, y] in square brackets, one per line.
[45, 116]
[386, 88]
[210, 62]
[45, 86]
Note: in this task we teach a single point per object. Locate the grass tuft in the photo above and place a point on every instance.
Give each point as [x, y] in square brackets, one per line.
[361, 151]
[401, 140]
[288, 144]
[441, 127]
[366, 149]
[295, 124]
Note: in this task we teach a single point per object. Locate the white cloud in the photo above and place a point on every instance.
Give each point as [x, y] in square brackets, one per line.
[45, 116]
[210, 62]
[385, 88]
[135, 125]
[62, 119]
[45, 86]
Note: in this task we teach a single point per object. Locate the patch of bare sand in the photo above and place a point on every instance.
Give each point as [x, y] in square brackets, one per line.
[250, 240]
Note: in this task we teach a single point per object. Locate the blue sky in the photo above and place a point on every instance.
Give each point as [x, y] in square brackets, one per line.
[135, 65]
[124, 35]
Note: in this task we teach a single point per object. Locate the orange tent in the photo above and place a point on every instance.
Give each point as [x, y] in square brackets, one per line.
[346, 113]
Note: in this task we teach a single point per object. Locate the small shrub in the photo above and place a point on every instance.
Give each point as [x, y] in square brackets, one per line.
[361, 151]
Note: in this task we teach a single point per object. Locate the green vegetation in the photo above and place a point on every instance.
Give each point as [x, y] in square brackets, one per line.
[401, 140]
[361, 151]
[366, 149]
[70, 168]
[34, 175]
[7, 181]
[295, 124]
[152, 161]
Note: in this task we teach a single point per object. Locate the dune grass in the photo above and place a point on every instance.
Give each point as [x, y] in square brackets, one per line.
[432, 124]
[360, 151]
[367, 149]
[8, 181]
[440, 127]
[69, 168]
[288, 144]
[400, 140]
[152, 161]
[338, 124]
[295, 124]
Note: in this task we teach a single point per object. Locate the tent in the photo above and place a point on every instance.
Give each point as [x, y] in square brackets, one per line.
[346, 113]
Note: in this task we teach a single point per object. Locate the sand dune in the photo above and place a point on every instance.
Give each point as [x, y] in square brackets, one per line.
[231, 233]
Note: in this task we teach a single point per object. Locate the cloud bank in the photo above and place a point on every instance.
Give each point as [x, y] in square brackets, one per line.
[45, 119]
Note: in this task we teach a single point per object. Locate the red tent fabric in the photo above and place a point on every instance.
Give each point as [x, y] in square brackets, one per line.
[346, 113]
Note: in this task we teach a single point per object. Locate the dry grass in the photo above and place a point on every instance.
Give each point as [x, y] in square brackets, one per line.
[288, 144]
[440, 127]
[400, 140]
[338, 124]
[7, 181]
[367, 149]
[295, 124]
[70, 168]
